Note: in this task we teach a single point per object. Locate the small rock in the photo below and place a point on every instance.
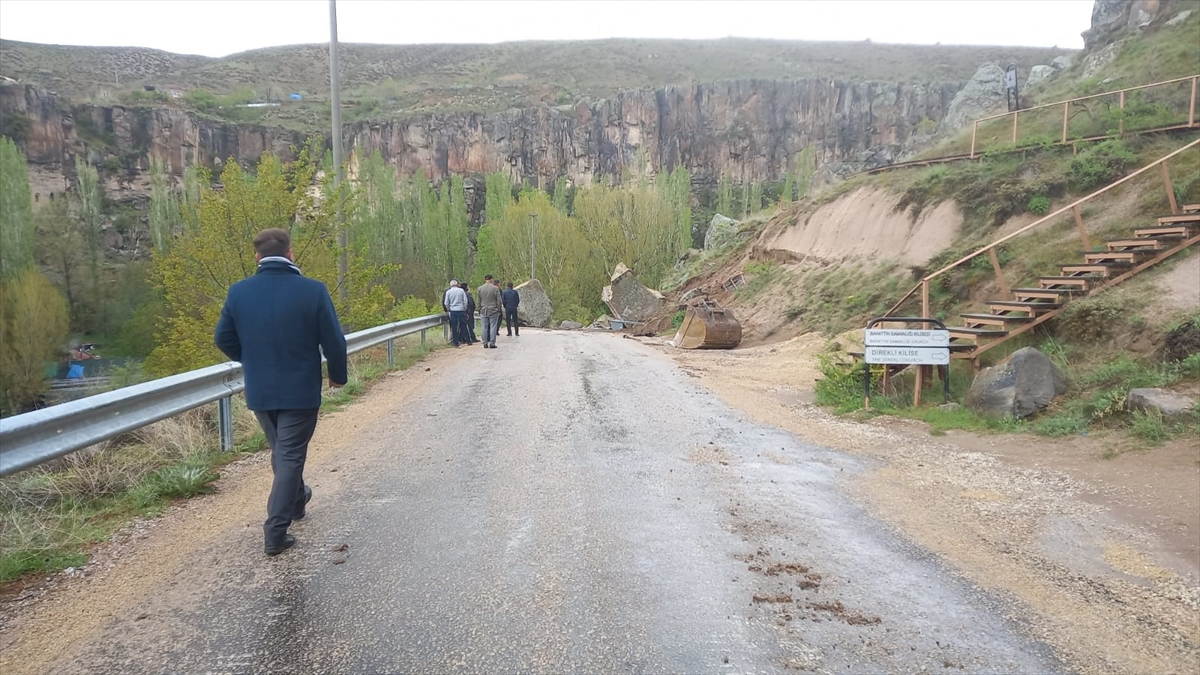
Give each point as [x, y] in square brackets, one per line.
[1039, 73]
[570, 325]
[341, 548]
[1167, 403]
[1061, 63]
[949, 406]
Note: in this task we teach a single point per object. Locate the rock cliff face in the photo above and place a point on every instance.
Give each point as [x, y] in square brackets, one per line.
[746, 130]
[51, 133]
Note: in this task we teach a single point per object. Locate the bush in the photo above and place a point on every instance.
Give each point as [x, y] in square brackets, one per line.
[1039, 205]
[1100, 165]
[677, 319]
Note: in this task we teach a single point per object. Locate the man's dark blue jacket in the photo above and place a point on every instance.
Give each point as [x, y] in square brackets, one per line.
[273, 323]
[511, 298]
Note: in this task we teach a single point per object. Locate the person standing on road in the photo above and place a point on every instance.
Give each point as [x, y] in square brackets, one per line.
[511, 300]
[277, 323]
[470, 322]
[490, 311]
[455, 304]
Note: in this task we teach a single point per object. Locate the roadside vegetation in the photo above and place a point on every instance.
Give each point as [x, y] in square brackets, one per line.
[51, 517]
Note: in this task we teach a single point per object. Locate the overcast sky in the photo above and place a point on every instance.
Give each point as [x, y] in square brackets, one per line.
[221, 27]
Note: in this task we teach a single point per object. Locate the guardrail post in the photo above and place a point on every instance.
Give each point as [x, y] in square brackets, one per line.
[999, 273]
[1087, 246]
[422, 338]
[446, 331]
[1121, 119]
[1192, 105]
[975, 130]
[1066, 120]
[225, 422]
[1166, 172]
[392, 351]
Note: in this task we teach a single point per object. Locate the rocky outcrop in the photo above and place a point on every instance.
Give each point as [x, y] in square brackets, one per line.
[535, 308]
[1039, 73]
[1019, 386]
[53, 132]
[980, 96]
[745, 130]
[1113, 18]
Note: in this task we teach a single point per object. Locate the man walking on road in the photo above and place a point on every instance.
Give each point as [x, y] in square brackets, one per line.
[277, 323]
[511, 300]
[490, 309]
[455, 304]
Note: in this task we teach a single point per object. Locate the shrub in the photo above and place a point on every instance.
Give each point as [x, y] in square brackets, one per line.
[1099, 165]
[677, 319]
[1039, 205]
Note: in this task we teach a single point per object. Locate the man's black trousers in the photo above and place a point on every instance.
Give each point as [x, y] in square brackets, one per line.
[511, 322]
[288, 433]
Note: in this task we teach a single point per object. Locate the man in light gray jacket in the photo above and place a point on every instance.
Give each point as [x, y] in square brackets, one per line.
[490, 311]
[455, 304]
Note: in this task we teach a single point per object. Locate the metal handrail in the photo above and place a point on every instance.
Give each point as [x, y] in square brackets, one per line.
[1066, 105]
[39, 436]
[923, 285]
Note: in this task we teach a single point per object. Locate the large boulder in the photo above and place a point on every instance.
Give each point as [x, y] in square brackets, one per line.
[1018, 386]
[535, 308]
[1039, 73]
[629, 299]
[721, 230]
[977, 98]
[1061, 62]
[1167, 403]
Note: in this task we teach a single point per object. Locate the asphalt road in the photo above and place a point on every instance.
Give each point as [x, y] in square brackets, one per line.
[568, 502]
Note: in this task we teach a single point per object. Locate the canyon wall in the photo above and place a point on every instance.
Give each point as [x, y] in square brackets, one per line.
[745, 130]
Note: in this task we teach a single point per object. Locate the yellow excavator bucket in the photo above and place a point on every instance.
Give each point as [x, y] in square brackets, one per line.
[707, 325]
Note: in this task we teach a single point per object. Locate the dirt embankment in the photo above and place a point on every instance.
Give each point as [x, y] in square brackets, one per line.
[1092, 547]
[867, 224]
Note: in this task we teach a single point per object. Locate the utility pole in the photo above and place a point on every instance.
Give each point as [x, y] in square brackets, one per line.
[343, 267]
[533, 246]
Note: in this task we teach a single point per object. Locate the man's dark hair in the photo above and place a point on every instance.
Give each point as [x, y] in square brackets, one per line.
[272, 242]
[510, 284]
[487, 277]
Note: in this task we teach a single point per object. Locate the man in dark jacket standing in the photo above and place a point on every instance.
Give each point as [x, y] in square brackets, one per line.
[277, 323]
[470, 322]
[512, 300]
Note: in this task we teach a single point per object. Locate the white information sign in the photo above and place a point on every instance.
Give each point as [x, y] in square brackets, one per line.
[884, 337]
[925, 356]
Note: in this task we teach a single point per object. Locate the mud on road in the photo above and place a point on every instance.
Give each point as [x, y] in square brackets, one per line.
[568, 502]
[1096, 555]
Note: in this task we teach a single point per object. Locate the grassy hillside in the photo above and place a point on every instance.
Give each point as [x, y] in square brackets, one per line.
[412, 78]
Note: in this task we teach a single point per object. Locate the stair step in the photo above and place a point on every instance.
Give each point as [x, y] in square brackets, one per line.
[1128, 257]
[1181, 218]
[1140, 243]
[1031, 308]
[1074, 282]
[1101, 269]
[1190, 208]
[994, 319]
[976, 334]
[1181, 232]
[1046, 293]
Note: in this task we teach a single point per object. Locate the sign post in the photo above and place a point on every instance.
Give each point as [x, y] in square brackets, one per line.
[908, 347]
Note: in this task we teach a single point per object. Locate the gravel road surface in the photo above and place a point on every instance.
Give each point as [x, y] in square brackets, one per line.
[566, 502]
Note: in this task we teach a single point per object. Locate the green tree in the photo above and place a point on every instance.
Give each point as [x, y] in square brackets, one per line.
[62, 249]
[16, 215]
[195, 274]
[33, 327]
[165, 215]
[90, 197]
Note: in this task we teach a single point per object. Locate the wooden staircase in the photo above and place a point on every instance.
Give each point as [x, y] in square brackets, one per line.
[1118, 260]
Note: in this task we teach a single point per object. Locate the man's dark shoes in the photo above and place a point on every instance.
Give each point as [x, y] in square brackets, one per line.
[307, 499]
[277, 547]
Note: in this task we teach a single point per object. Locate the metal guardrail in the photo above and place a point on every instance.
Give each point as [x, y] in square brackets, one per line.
[36, 437]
